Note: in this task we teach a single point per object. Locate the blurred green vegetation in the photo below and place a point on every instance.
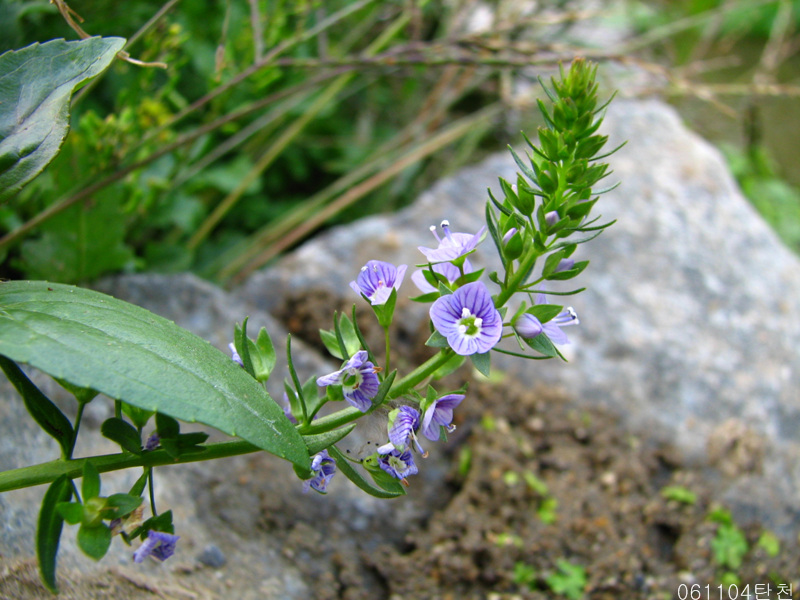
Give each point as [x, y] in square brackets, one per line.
[275, 118]
[234, 152]
[734, 70]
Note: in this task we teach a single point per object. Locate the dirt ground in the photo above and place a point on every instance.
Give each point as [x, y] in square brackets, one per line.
[539, 486]
[540, 499]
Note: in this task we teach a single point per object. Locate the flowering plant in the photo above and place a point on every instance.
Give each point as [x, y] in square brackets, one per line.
[158, 373]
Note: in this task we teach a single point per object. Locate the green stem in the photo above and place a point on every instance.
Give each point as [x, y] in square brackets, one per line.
[50, 471]
[513, 285]
[152, 489]
[386, 337]
[422, 372]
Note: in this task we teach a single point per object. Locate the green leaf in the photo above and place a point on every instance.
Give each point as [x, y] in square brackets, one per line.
[82, 395]
[130, 354]
[437, 340]
[36, 84]
[138, 487]
[79, 243]
[349, 471]
[264, 356]
[94, 541]
[122, 504]
[242, 347]
[542, 344]
[453, 363]
[138, 416]
[71, 512]
[122, 433]
[40, 407]
[48, 531]
[331, 343]
[320, 441]
[482, 362]
[90, 486]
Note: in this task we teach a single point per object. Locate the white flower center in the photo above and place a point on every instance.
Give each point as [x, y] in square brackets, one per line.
[469, 325]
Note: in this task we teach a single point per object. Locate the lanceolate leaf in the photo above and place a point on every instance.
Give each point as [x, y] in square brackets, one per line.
[36, 84]
[128, 353]
[41, 408]
[48, 533]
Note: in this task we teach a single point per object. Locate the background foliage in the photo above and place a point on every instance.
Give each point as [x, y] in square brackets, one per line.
[277, 117]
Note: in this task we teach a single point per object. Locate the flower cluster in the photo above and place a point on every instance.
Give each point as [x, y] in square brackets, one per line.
[549, 202]
[465, 317]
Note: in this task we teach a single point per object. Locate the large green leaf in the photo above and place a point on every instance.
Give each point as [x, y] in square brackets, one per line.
[36, 84]
[126, 352]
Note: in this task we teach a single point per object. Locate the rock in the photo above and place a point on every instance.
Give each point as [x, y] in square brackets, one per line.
[689, 319]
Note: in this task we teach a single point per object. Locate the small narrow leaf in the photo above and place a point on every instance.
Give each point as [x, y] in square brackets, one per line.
[122, 504]
[40, 407]
[242, 347]
[482, 362]
[122, 433]
[349, 471]
[71, 512]
[94, 541]
[48, 531]
[138, 488]
[90, 486]
[320, 441]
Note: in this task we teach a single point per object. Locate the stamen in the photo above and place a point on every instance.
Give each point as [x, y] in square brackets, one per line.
[435, 234]
[446, 227]
[465, 312]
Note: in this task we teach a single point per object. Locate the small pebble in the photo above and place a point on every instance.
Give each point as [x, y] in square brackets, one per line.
[211, 556]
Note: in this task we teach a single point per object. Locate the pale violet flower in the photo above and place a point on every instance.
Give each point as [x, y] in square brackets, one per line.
[528, 326]
[452, 245]
[447, 270]
[235, 355]
[358, 379]
[403, 424]
[159, 545]
[324, 468]
[398, 463]
[377, 279]
[468, 319]
[440, 414]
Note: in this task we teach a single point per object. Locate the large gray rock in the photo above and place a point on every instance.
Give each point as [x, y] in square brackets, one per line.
[689, 324]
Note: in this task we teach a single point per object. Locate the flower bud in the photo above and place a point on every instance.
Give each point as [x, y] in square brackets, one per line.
[528, 326]
[512, 244]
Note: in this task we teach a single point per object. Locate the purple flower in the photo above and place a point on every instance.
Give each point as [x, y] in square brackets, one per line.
[287, 409]
[398, 463]
[448, 270]
[235, 355]
[565, 264]
[403, 424]
[452, 245]
[468, 319]
[153, 441]
[358, 379]
[377, 279]
[440, 414]
[528, 326]
[324, 468]
[158, 544]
